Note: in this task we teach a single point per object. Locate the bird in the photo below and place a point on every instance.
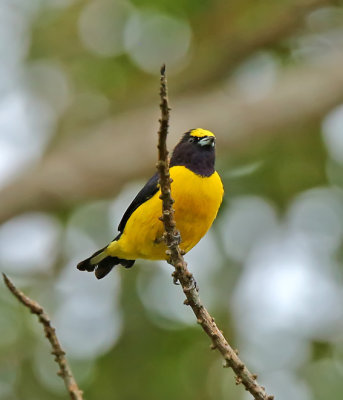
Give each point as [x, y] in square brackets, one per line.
[197, 190]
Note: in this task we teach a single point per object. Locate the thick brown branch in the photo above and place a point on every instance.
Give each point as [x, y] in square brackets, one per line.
[235, 42]
[182, 274]
[65, 371]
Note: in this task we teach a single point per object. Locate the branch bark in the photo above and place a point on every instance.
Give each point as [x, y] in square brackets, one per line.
[65, 371]
[181, 273]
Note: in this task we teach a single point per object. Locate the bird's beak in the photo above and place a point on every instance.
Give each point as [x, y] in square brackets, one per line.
[207, 141]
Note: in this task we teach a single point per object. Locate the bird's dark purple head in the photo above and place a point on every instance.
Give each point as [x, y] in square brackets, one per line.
[195, 151]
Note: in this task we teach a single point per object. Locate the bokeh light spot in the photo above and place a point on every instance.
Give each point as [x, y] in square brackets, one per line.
[28, 243]
[333, 133]
[101, 25]
[152, 39]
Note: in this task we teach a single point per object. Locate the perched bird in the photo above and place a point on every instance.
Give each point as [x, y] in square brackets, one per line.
[197, 190]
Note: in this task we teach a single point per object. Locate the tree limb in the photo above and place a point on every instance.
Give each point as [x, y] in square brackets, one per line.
[65, 371]
[236, 41]
[181, 273]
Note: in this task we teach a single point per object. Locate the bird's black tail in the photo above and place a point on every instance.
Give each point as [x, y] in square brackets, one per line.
[102, 263]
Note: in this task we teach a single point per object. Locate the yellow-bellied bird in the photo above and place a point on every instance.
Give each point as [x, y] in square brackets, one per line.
[197, 190]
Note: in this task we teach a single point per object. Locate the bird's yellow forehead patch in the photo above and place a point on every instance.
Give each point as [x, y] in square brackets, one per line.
[201, 133]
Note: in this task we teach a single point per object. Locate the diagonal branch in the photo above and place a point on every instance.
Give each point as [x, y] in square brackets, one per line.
[65, 371]
[182, 274]
[234, 41]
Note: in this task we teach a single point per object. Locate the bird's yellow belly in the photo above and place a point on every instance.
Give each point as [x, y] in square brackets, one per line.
[197, 200]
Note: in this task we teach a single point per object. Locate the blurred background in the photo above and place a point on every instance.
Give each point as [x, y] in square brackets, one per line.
[79, 83]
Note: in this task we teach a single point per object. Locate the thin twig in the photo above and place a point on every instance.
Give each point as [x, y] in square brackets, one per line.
[182, 274]
[65, 371]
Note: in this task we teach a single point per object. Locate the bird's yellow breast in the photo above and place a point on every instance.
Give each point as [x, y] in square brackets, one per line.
[197, 200]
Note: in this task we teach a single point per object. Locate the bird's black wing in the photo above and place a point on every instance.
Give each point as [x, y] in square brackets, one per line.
[104, 266]
[150, 188]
